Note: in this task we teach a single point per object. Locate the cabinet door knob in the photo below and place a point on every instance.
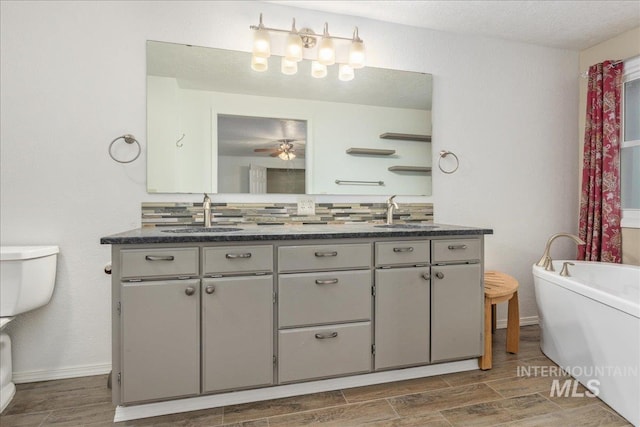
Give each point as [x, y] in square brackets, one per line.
[190, 290]
[210, 289]
[426, 276]
[440, 275]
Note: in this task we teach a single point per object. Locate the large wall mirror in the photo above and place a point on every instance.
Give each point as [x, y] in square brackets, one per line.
[214, 125]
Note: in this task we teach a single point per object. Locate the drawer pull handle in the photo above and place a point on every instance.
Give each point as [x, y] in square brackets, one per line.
[427, 276]
[159, 257]
[210, 289]
[190, 291]
[454, 247]
[236, 256]
[325, 254]
[407, 249]
[440, 275]
[326, 281]
[326, 336]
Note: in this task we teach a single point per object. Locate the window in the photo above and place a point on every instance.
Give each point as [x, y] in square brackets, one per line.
[630, 152]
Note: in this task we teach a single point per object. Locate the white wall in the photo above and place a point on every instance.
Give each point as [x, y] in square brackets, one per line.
[72, 78]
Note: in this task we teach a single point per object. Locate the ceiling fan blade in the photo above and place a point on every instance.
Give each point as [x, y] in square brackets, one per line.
[276, 154]
[262, 150]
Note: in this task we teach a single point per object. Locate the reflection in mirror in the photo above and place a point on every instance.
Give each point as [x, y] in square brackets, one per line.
[261, 155]
[201, 100]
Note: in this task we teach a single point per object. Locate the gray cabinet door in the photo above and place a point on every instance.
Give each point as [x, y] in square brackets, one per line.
[160, 329]
[402, 317]
[237, 332]
[457, 299]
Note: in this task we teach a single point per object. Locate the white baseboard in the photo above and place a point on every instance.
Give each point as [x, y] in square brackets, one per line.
[62, 373]
[524, 321]
[126, 413]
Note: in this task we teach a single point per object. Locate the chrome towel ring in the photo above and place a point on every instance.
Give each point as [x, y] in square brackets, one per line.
[443, 154]
[129, 139]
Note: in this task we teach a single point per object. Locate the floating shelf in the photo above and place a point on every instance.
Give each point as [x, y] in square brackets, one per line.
[421, 169]
[371, 151]
[406, 137]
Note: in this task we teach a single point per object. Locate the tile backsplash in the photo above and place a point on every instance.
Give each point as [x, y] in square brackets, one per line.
[172, 214]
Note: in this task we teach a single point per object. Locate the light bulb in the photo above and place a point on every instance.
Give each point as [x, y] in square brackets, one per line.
[318, 70]
[259, 64]
[356, 54]
[288, 67]
[326, 52]
[345, 73]
[287, 155]
[261, 43]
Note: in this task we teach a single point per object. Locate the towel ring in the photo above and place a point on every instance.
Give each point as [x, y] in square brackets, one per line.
[443, 154]
[129, 139]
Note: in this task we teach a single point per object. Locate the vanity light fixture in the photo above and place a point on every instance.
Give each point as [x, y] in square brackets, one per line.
[299, 42]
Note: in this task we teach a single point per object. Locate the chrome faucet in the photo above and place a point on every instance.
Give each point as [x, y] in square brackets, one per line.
[206, 205]
[391, 205]
[545, 260]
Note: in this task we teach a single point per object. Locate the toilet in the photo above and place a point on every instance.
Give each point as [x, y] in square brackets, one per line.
[27, 277]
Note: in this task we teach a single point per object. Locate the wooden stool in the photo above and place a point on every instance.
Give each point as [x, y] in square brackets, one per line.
[500, 287]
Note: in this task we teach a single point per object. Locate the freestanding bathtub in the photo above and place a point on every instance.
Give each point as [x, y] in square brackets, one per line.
[590, 327]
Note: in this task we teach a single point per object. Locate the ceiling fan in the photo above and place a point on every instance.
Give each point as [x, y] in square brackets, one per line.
[284, 150]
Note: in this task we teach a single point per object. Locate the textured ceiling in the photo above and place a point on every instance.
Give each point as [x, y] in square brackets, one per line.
[574, 25]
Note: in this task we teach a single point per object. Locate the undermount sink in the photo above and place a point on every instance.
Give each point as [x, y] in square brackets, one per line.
[201, 230]
[408, 226]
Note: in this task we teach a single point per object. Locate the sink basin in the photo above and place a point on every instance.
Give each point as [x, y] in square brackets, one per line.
[408, 226]
[201, 230]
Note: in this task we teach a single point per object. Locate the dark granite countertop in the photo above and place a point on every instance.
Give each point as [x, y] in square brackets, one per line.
[286, 232]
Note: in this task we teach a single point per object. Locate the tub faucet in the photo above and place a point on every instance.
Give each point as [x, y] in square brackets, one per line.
[391, 205]
[545, 260]
[206, 205]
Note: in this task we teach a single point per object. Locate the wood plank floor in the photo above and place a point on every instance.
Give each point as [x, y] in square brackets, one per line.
[475, 398]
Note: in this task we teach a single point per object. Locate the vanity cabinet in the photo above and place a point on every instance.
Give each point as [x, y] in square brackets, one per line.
[457, 295]
[207, 317]
[402, 304]
[324, 316]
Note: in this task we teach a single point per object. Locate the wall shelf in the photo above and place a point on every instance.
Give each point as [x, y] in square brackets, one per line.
[370, 151]
[406, 137]
[420, 169]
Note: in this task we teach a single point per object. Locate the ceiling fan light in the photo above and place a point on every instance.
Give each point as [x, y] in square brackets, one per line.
[261, 43]
[288, 67]
[318, 70]
[356, 54]
[345, 73]
[259, 64]
[287, 155]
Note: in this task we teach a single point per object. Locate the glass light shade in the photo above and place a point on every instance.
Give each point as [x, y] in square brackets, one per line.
[259, 64]
[293, 51]
[326, 52]
[318, 70]
[356, 54]
[288, 67]
[287, 155]
[345, 73]
[261, 43]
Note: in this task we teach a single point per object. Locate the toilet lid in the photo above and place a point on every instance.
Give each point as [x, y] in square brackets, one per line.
[12, 253]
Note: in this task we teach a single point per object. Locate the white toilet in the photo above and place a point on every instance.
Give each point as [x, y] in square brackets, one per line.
[27, 277]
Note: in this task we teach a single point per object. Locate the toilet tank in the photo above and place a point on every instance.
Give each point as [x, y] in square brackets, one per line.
[27, 277]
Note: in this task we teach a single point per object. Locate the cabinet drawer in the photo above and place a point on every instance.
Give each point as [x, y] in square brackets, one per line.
[455, 250]
[402, 253]
[170, 262]
[324, 257]
[326, 351]
[314, 298]
[237, 259]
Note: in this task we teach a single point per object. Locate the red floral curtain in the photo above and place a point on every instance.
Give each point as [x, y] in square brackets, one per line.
[600, 201]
